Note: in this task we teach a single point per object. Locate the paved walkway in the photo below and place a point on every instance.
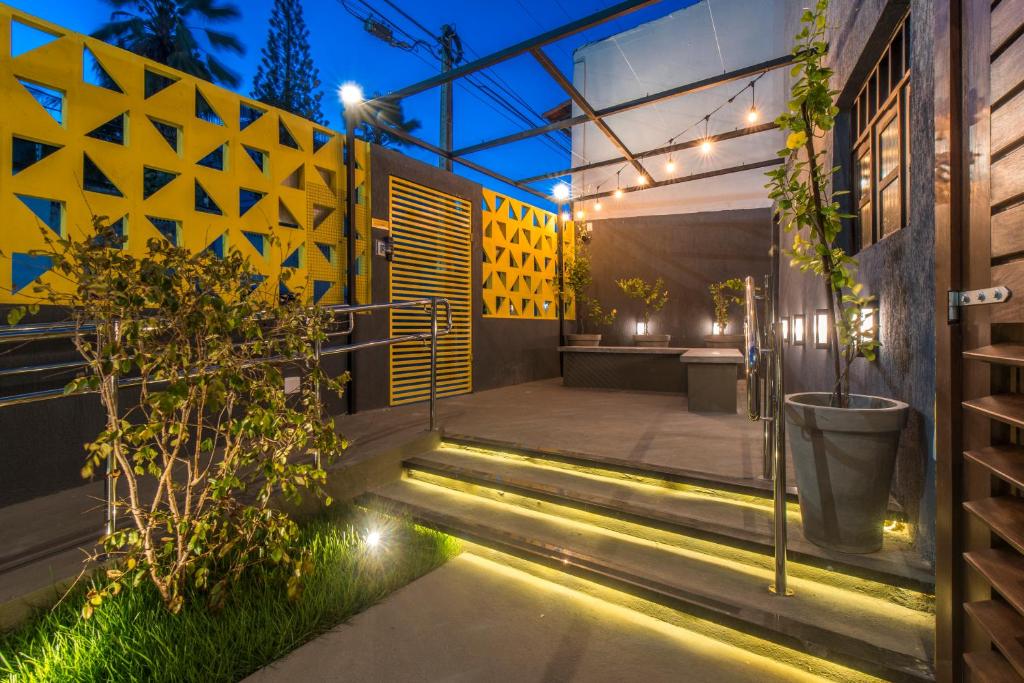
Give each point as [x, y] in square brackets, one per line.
[476, 620]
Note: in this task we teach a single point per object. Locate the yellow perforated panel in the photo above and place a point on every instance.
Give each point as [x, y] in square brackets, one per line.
[520, 252]
[432, 236]
[86, 128]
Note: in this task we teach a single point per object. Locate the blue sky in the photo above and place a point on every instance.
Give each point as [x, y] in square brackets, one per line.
[344, 51]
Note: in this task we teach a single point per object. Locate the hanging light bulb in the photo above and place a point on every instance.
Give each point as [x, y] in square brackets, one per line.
[618, 193]
[618, 184]
[641, 179]
[705, 147]
[753, 115]
[597, 205]
[670, 166]
[580, 214]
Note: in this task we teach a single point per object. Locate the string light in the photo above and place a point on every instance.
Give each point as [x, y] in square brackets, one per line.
[706, 143]
[580, 214]
[705, 147]
[597, 205]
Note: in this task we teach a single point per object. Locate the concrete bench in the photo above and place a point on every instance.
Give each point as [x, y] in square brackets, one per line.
[711, 379]
[632, 368]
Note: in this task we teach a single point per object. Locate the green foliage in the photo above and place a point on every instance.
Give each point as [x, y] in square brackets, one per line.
[652, 297]
[383, 110]
[286, 77]
[210, 440]
[164, 31]
[803, 195]
[134, 638]
[578, 279]
[725, 294]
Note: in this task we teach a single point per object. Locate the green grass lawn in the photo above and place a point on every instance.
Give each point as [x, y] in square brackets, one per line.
[133, 638]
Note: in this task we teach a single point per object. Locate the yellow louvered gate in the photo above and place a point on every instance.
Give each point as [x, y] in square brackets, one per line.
[431, 232]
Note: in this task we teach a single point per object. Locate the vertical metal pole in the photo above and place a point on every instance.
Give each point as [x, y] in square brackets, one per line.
[353, 232]
[317, 347]
[562, 226]
[779, 483]
[433, 363]
[768, 386]
[110, 481]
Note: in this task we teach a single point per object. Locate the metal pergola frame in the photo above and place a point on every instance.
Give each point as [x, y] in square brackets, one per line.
[534, 46]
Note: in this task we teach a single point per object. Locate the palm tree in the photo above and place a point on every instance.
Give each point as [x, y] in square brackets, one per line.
[387, 111]
[165, 31]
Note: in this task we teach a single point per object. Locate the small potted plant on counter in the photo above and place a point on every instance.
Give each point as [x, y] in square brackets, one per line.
[843, 445]
[724, 295]
[589, 312]
[652, 298]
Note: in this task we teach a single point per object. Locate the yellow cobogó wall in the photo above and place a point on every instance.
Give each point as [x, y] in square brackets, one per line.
[54, 96]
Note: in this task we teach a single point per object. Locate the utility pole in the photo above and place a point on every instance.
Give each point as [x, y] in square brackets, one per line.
[451, 53]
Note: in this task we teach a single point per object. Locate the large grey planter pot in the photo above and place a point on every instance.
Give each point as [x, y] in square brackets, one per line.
[583, 339]
[651, 339]
[844, 459]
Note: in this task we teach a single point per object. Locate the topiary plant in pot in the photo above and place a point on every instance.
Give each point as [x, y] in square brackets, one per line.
[725, 295]
[843, 445]
[652, 298]
[590, 315]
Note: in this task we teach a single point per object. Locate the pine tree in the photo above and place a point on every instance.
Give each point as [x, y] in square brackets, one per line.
[286, 77]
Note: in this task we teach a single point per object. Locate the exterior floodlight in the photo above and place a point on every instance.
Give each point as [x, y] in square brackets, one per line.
[372, 539]
[350, 94]
[821, 329]
[560, 192]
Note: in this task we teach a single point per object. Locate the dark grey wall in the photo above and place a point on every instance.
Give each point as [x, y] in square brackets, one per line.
[504, 351]
[691, 251]
[899, 270]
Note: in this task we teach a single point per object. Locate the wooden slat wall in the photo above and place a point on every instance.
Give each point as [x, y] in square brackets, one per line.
[432, 235]
[993, 536]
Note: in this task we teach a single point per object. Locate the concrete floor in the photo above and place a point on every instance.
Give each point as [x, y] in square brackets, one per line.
[636, 428]
[474, 620]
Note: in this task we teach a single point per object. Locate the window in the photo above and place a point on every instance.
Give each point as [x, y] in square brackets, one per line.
[880, 143]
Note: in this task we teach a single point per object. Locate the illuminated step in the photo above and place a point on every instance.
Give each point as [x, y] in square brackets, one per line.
[744, 520]
[844, 626]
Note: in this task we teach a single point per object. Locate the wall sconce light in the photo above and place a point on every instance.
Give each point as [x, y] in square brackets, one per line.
[798, 330]
[869, 324]
[785, 330]
[716, 328]
[641, 327]
[821, 329]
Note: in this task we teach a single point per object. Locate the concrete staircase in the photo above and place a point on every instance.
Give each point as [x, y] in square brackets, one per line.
[700, 550]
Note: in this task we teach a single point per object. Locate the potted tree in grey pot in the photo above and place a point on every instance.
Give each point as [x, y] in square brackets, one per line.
[652, 298]
[724, 295]
[590, 315]
[843, 445]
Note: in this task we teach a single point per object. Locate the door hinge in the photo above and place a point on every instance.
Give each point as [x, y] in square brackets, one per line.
[975, 297]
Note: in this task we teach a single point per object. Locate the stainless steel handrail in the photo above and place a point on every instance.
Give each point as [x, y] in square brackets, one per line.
[763, 362]
[12, 333]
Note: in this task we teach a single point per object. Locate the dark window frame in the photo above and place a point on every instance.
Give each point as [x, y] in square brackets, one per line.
[883, 99]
